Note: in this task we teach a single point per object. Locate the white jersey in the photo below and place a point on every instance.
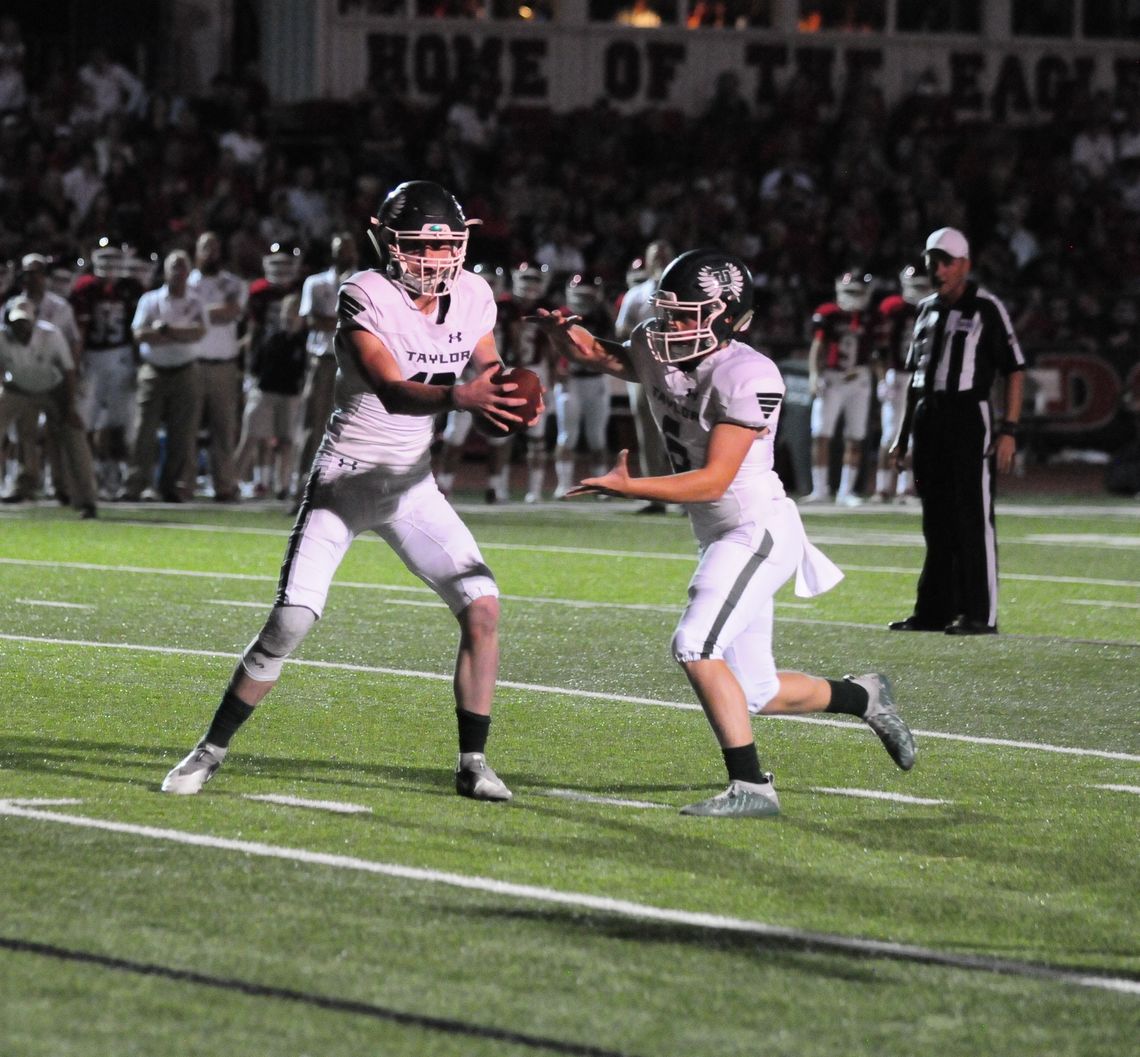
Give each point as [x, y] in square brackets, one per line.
[735, 384]
[361, 430]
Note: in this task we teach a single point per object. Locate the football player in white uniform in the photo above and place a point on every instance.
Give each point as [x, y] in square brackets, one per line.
[717, 403]
[405, 332]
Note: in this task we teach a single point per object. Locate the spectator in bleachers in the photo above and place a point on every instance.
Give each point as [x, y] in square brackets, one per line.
[113, 87]
[13, 89]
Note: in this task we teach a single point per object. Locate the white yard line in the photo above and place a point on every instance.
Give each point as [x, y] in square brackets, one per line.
[590, 798]
[1099, 604]
[1120, 788]
[584, 901]
[336, 806]
[880, 794]
[564, 691]
[1084, 539]
[52, 605]
[579, 603]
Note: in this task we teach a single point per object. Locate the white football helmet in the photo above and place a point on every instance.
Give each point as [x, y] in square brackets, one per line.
[914, 283]
[637, 272]
[584, 293]
[496, 278]
[142, 267]
[853, 290]
[530, 282]
[282, 264]
[108, 261]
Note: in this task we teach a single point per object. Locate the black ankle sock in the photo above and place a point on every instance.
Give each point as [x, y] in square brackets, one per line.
[743, 764]
[231, 714]
[847, 696]
[473, 730]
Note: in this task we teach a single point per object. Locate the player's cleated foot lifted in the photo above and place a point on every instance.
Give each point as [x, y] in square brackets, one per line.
[196, 770]
[739, 800]
[474, 778]
[883, 718]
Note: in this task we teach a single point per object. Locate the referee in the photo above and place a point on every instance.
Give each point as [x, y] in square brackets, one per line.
[962, 339]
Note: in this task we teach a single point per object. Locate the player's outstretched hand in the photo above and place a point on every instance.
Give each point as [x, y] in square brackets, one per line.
[615, 482]
[556, 320]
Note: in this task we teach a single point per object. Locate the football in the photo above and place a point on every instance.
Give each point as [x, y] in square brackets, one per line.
[529, 388]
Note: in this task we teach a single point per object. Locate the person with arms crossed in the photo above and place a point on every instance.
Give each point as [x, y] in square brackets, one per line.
[168, 324]
[717, 402]
[224, 297]
[406, 331]
[962, 340]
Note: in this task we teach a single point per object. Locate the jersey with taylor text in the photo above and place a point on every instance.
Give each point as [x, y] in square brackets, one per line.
[738, 385]
[425, 349]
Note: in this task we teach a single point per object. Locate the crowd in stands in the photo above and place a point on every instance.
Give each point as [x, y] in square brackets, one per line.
[801, 188]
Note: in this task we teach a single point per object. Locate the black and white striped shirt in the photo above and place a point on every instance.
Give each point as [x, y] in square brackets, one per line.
[962, 347]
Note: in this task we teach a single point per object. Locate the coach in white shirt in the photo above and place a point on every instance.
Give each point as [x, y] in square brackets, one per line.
[223, 296]
[38, 373]
[169, 322]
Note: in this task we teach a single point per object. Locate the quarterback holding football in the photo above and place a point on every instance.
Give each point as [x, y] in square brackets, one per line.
[405, 332]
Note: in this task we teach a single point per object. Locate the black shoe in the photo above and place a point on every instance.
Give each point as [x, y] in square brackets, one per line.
[88, 512]
[15, 497]
[963, 626]
[652, 508]
[912, 623]
[490, 497]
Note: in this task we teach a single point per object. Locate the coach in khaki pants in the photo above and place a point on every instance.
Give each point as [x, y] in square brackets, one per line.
[39, 376]
[224, 296]
[169, 322]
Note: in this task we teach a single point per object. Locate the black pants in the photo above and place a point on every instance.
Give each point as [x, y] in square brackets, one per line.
[954, 473]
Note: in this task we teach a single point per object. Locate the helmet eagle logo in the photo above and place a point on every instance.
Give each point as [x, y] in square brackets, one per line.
[720, 280]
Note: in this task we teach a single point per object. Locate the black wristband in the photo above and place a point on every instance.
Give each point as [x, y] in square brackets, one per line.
[1009, 429]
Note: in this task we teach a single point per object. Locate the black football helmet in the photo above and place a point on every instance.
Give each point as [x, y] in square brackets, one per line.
[415, 217]
[702, 299]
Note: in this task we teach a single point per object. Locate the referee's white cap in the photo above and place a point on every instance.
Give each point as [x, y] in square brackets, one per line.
[950, 241]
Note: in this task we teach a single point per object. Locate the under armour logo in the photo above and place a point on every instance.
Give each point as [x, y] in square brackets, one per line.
[457, 336]
[350, 463]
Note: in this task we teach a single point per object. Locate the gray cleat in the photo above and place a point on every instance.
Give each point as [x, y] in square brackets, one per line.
[474, 778]
[740, 800]
[883, 718]
[196, 770]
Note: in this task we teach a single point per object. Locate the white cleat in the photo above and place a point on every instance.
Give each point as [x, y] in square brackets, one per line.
[883, 718]
[474, 778]
[815, 498]
[850, 499]
[532, 498]
[194, 771]
[739, 800]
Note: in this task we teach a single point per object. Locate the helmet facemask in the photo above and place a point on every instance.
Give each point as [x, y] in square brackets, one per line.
[683, 330]
[416, 262]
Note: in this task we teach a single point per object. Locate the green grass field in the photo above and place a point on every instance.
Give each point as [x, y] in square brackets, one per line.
[982, 904]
